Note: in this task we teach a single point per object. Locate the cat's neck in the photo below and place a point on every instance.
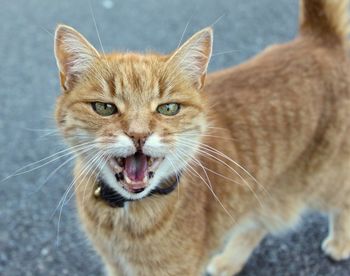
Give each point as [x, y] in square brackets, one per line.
[142, 215]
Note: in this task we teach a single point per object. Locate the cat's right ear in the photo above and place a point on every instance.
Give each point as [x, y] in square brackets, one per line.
[74, 55]
[193, 56]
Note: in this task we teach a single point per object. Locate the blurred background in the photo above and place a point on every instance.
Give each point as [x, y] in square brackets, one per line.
[37, 237]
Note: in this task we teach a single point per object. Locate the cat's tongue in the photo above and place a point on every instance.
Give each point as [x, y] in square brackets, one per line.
[136, 167]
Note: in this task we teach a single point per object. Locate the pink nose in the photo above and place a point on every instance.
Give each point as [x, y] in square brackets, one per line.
[139, 138]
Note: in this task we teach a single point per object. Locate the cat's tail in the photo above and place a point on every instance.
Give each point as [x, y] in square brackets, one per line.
[325, 20]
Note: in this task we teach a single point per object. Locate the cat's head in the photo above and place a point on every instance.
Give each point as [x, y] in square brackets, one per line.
[134, 119]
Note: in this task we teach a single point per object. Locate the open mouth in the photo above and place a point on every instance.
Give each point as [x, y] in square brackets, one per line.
[134, 171]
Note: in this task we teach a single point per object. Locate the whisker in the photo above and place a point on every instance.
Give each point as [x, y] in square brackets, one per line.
[101, 164]
[57, 153]
[218, 19]
[62, 201]
[205, 154]
[52, 173]
[207, 135]
[212, 171]
[225, 52]
[217, 127]
[92, 154]
[60, 154]
[89, 167]
[214, 150]
[99, 160]
[46, 30]
[184, 32]
[210, 188]
[41, 129]
[98, 33]
[200, 164]
[177, 177]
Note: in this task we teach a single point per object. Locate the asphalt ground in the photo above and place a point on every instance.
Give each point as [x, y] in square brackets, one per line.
[30, 243]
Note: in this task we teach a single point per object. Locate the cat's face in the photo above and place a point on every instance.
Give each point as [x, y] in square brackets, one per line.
[133, 119]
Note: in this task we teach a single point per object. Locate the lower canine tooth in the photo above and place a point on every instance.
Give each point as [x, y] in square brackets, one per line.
[114, 165]
[119, 176]
[97, 192]
[127, 179]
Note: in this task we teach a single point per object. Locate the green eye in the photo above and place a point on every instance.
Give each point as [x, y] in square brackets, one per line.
[169, 109]
[104, 109]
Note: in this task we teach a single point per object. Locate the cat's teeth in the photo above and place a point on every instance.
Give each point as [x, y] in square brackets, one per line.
[120, 161]
[115, 166]
[127, 179]
[97, 192]
[155, 164]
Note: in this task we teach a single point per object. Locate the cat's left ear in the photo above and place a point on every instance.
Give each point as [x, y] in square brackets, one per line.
[74, 55]
[193, 57]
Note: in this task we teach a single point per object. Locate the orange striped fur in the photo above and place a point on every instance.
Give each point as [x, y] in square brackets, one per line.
[260, 143]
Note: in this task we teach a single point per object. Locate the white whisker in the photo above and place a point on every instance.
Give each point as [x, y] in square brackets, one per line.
[177, 177]
[58, 155]
[210, 188]
[98, 34]
[184, 32]
[225, 52]
[217, 20]
[62, 201]
[206, 154]
[214, 150]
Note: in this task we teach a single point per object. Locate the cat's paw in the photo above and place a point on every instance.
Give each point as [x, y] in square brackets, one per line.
[335, 249]
[222, 266]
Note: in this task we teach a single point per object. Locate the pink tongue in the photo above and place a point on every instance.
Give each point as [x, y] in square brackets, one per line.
[136, 166]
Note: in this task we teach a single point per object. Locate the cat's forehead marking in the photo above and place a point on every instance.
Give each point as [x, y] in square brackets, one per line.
[132, 77]
[107, 85]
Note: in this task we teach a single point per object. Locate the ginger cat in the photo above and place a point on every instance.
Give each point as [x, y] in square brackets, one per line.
[174, 177]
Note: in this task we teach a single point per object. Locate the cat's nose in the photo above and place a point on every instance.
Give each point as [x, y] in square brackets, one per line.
[139, 138]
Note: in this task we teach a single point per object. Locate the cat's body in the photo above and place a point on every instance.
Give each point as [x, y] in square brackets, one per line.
[284, 117]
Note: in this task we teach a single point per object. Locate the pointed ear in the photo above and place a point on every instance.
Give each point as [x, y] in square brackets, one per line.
[74, 55]
[193, 56]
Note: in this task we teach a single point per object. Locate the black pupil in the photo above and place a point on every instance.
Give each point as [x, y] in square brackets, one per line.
[104, 108]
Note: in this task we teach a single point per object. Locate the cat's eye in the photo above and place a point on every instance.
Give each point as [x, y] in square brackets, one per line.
[168, 109]
[104, 109]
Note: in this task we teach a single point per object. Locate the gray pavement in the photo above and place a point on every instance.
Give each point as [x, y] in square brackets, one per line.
[29, 240]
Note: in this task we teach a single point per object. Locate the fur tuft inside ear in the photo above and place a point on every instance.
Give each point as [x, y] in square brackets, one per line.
[192, 58]
[74, 55]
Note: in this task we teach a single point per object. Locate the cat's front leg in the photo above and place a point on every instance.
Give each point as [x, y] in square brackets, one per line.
[113, 270]
[241, 244]
[337, 244]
